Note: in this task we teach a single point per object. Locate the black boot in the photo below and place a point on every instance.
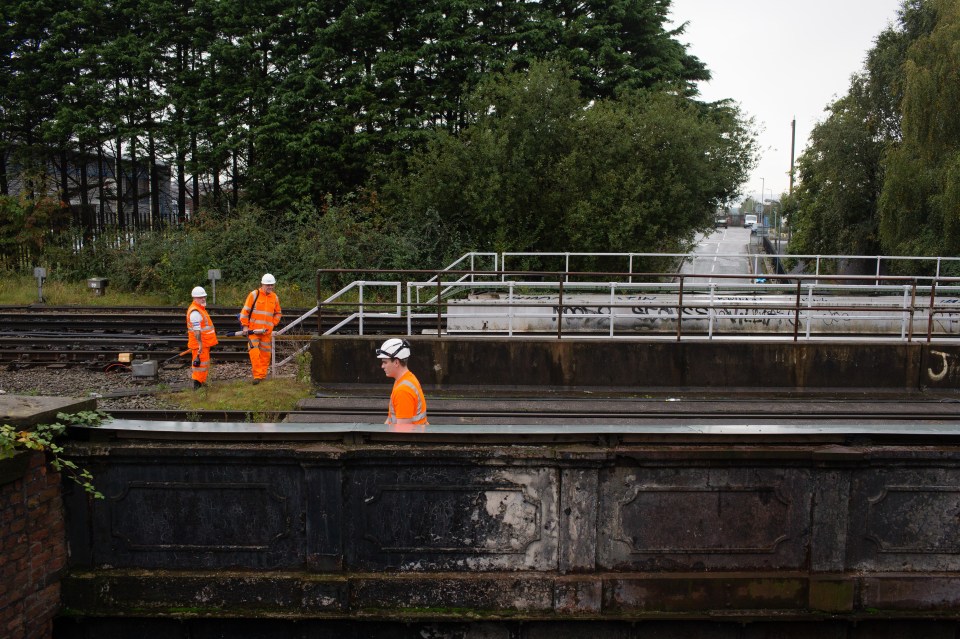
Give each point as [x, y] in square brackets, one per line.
[197, 385]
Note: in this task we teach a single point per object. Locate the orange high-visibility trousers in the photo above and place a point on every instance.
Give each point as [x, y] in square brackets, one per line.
[208, 339]
[260, 348]
[199, 373]
[261, 312]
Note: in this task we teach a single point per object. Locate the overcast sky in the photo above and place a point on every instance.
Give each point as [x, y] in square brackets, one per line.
[781, 59]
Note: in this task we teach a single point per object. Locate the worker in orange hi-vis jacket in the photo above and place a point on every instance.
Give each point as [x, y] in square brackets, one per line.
[201, 337]
[407, 411]
[260, 314]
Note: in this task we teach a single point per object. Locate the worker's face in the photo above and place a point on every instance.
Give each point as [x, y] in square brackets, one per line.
[268, 288]
[201, 301]
[390, 367]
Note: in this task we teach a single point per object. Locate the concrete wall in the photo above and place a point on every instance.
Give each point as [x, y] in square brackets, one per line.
[396, 531]
[631, 364]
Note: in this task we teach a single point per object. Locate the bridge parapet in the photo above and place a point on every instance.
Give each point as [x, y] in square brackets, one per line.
[347, 522]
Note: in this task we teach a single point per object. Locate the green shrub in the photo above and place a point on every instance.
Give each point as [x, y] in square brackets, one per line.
[355, 233]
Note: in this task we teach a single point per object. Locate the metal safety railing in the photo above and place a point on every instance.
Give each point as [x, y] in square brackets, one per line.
[813, 263]
[636, 304]
[411, 295]
[357, 316]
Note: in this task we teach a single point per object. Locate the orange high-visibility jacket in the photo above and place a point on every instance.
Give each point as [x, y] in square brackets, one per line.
[265, 316]
[207, 335]
[407, 401]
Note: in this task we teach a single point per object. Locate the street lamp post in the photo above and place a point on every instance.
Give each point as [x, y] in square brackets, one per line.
[763, 189]
[763, 198]
[775, 203]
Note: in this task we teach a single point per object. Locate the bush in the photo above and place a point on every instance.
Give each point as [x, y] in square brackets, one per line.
[356, 233]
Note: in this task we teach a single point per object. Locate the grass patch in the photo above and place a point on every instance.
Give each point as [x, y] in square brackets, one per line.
[270, 396]
[21, 290]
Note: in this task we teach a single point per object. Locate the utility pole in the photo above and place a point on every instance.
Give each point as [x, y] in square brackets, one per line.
[763, 189]
[793, 141]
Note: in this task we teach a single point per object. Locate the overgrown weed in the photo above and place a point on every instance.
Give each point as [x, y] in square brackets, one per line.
[270, 396]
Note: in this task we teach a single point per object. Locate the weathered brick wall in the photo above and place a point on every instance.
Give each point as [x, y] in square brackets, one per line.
[33, 549]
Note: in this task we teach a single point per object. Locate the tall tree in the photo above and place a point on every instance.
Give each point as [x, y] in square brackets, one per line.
[845, 170]
[840, 180]
[920, 205]
[542, 168]
[884, 65]
[617, 45]
[27, 97]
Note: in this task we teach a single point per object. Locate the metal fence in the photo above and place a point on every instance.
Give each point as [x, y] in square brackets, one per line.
[816, 300]
[801, 264]
[625, 304]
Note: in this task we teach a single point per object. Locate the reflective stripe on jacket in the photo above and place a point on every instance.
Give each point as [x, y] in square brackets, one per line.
[264, 313]
[408, 384]
[208, 336]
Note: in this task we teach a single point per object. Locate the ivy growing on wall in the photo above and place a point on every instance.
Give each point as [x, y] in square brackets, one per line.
[44, 438]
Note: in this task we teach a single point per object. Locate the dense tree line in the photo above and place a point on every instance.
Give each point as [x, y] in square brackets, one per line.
[881, 174]
[285, 99]
[291, 105]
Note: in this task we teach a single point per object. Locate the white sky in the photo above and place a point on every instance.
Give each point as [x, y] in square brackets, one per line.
[781, 59]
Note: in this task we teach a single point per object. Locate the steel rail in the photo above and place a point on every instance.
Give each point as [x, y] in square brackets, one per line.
[77, 349]
[144, 324]
[44, 357]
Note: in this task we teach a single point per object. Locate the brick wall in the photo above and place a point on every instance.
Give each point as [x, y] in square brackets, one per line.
[33, 551]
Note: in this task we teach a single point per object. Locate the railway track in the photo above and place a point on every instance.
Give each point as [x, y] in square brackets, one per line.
[80, 350]
[96, 337]
[158, 321]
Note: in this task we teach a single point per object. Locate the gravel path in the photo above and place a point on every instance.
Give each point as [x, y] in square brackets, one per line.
[114, 389]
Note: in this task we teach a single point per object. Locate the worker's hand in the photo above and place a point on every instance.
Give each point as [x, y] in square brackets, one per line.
[245, 330]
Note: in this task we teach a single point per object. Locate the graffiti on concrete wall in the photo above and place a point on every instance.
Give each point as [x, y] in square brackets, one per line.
[943, 368]
[651, 313]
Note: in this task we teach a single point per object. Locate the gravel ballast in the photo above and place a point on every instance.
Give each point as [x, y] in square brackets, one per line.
[115, 387]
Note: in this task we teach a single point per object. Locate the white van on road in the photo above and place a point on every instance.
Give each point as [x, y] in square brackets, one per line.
[749, 221]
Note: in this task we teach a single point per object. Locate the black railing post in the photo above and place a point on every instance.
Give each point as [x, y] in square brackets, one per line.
[319, 307]
[560, 305]
[680, 307]
[796, 319]
[913, 309]
[439, 307]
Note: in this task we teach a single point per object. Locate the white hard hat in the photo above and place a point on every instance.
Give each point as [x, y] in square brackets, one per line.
[268, 279]
[394, 348]
[198, 292]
